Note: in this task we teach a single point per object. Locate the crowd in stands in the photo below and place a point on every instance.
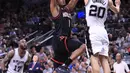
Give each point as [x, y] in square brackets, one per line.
[17, 22]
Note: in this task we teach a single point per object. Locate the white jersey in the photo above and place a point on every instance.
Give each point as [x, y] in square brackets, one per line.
[16, 64]
[96, 12]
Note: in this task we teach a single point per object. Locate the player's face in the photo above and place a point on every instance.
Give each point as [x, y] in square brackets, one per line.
[61, 2]
[23, 44]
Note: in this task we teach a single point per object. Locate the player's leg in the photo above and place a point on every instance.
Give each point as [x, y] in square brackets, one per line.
[104, 63]
[76, 48]
[78, 52]
[60, 56]
[104, 53]
[104, 57]
[59, 49]
[95, 63]
[58, 68]
[68, 52]
[96, 47]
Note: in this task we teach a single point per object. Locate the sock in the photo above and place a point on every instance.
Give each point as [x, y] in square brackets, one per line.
[68, 62]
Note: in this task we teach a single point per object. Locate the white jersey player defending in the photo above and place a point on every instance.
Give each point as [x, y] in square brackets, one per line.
[17, 58]
[96, 14]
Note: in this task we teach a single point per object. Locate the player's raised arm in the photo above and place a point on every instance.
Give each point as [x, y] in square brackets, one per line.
[115, 9]
[53, 8]
[7, 58]
[52, 4]
[71, 4]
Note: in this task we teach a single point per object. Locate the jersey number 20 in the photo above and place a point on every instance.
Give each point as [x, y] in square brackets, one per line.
[97, 11]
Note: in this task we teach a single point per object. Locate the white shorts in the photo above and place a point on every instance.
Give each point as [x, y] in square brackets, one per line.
[99, 40]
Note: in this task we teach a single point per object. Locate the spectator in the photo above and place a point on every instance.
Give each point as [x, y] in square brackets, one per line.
[32, 51]
[51, 64]
[47, 69]
[42, 55]
[120, 66]
[34, 67]
[76, 67]
[83, 67]
[73, 70]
